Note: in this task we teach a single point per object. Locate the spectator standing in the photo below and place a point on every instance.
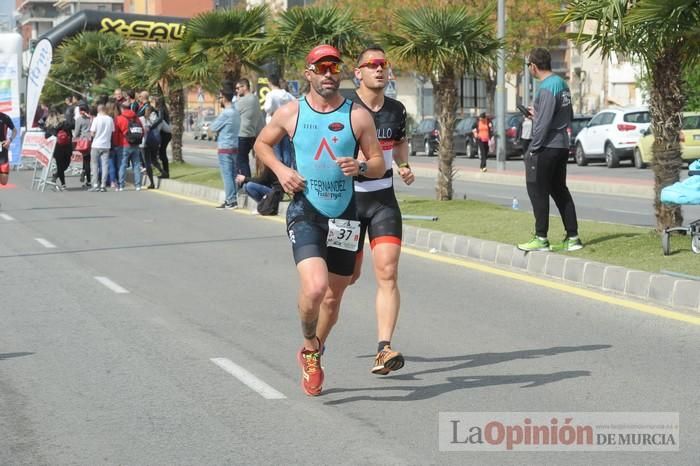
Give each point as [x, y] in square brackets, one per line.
[101, 130]
[152, 143]
[165, 137]
[113, 109]
[142, 103]
[57, 126]
[526, 133]
[128, 150]
[483, 131]
[81, 136]
[545, 163]
[251, 122]
[227, 125]
[276, 98]
[71, 109]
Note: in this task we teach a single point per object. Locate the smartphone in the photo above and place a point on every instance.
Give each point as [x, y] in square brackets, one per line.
[524, 110]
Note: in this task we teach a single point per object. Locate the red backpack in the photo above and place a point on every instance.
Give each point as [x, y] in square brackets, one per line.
[62, 137]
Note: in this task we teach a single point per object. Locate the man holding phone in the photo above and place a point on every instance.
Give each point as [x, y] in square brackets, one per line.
[545, 162]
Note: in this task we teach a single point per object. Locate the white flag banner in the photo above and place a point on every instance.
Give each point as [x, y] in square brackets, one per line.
[39, 67]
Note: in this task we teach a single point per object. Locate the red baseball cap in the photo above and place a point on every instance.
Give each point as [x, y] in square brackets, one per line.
[322, 51]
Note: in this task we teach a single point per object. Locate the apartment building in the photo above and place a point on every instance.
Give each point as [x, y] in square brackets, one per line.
[178, 8]
[36, 17]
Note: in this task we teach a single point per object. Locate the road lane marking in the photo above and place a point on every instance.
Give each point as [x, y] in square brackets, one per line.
[111, 285]
[6, 217]
[248, 379]
[632, 305]
[47, 244]
[627, 212]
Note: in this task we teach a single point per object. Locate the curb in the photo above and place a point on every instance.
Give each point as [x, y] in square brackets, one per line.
[675, 293]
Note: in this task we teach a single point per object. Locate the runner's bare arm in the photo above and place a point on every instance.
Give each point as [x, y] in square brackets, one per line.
[9, 140]
[366, 134]
[400, 155]
[281, 124]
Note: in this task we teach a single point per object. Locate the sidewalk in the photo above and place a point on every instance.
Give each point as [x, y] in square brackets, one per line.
[652, 288]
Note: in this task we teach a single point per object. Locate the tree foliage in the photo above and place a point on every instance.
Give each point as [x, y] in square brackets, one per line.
[83, 62]
[298, 30]
[442, 43]
[664, 37]
[218, 44]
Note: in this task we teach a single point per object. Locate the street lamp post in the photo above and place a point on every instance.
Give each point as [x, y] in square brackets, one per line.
[501, 92]
[581, 75]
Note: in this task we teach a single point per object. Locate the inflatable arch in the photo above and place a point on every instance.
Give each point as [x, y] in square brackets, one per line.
[131, 26]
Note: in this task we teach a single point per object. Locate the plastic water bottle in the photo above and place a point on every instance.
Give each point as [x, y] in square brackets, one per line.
[516, 204]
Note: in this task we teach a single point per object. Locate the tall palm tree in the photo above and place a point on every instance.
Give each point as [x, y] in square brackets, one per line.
[84, 61]
[156, 69]
[217, 44]
[298, 30]
[664, 36]
[443, 43]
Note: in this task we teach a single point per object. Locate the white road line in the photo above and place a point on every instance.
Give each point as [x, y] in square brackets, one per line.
[47, 244]
[111, 285]
[249, 379]
[627, 212]
[6, 217]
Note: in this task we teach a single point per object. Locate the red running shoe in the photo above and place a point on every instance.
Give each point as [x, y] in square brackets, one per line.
[311, 371]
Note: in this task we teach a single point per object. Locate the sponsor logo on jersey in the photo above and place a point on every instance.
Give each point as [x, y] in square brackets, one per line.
[336, 126]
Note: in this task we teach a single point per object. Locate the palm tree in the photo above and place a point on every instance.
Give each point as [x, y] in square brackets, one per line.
[84, 61]
[156, 69]
[443, 43]
[217, 44]
[298, 30]
[664, 36]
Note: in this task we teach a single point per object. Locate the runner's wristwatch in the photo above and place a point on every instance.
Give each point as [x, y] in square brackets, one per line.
[362, 168]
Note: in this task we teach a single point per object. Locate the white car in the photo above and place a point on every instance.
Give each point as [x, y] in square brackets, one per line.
[611, 135]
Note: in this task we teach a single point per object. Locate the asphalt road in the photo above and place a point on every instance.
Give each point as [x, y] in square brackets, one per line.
[114, 305]
[598, 207]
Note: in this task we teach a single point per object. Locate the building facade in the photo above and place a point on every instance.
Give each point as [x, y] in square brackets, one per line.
[178, 8]
[37, 17]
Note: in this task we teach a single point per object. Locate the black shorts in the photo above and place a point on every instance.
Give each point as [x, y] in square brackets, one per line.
[379, 213]
[4, 162]
[308, 231]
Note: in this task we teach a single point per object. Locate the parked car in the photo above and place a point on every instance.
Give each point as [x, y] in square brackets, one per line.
[426, 137]
[514, 125]
[463, 137]
[201, 129]
[611, 135]
[690, 141]
[578, 122]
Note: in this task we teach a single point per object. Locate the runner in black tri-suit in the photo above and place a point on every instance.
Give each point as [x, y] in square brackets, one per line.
[378, 209]
[5, 141]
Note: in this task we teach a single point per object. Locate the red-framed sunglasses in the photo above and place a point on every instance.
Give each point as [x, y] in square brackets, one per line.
[375, 63]
[324, 67]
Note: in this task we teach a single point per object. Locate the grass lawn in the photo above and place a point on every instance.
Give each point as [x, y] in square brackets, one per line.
[628, 246]
[198, 175]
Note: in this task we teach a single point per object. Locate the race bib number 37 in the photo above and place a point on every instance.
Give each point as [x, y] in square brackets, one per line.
[343, 234]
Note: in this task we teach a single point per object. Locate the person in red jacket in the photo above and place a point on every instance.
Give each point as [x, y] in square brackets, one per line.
[483, 131]
[127, 147]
